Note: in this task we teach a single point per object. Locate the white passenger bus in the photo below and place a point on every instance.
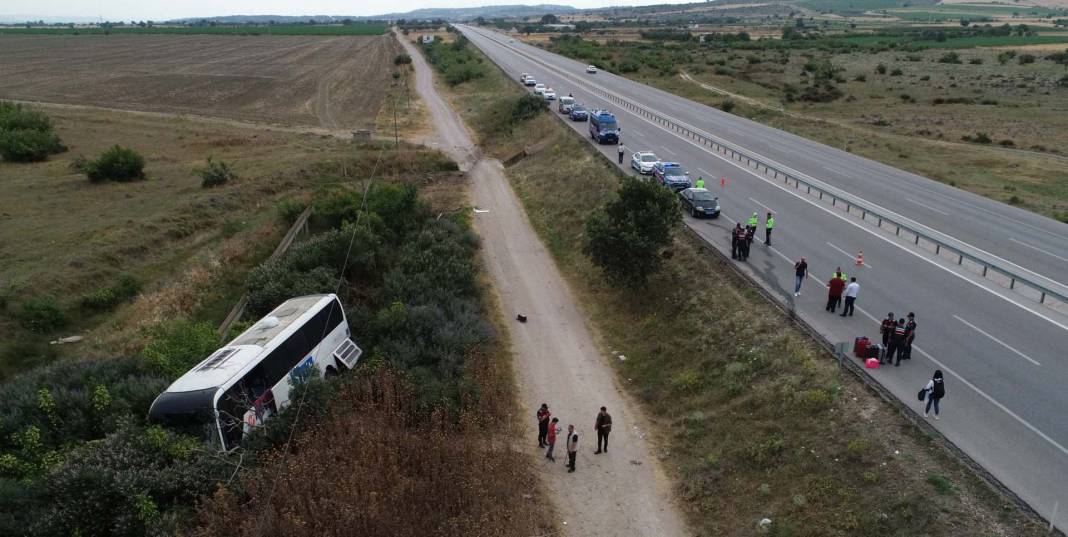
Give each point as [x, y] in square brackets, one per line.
[240, 385]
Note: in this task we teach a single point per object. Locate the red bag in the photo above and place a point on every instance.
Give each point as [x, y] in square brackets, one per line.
[860, 346]
[871, 363]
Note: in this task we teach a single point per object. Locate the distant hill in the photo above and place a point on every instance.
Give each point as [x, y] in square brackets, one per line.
[460, 13]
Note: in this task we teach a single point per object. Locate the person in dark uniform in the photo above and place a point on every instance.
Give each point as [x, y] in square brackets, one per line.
[749, 232]
[743, 243]
[897, 343]
[910, 325]
[603, 425]
[543, 424]
[887, 329]
[735, 243]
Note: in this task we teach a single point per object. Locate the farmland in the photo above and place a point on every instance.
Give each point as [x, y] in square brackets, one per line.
[274, 29]
[328, 82]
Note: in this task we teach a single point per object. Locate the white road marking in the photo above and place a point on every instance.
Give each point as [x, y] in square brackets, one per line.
[835, 214]
[925, 206]
[706, 172]
[847, 254]
[998, 341]
[636, 132]
[670, 152]
[1037, 248]
[835, 170]
[770, 210]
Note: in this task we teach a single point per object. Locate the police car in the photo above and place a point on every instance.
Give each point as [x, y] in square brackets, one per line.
[672, 175]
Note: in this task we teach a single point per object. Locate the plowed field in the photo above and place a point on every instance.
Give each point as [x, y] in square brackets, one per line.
[331, 82]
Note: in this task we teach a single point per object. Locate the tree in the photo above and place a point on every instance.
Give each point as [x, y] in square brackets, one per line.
[627, 237]
[550, 19]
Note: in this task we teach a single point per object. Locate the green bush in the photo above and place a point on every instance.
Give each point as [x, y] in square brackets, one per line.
[176, 346]
[1025, 59]
[42, 315]
[26, 135]
[26, 145]
[950, 57]
[881, 69]
[116, 164]
[402, 59]
[527, 107]
[215, 173]
[289, 209]
[456, 61]
[124, 288]
[626, 238]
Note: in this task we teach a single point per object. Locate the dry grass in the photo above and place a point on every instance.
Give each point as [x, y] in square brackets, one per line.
[759, 421]
[379, 470]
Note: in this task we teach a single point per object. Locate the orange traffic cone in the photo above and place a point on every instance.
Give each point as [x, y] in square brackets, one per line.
[860, 258]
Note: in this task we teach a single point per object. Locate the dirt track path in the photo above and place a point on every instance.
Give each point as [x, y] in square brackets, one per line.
[623, 492]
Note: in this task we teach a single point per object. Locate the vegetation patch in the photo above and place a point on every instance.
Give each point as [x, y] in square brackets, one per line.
[26, 135]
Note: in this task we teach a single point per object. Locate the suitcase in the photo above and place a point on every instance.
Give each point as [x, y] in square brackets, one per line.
[860, 346]
[877, 351]
[871, 363]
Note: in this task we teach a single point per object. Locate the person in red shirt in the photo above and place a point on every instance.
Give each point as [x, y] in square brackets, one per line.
[550, 438]
[834, 292]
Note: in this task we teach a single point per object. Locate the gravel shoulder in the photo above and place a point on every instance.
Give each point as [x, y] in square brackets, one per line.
[623, 492]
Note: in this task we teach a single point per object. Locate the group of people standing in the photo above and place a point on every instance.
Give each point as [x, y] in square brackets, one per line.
[838, 288]
[742, 237]
[898, 336]
[548, 428]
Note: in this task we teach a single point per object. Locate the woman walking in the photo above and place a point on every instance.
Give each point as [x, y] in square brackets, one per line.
[936, 390]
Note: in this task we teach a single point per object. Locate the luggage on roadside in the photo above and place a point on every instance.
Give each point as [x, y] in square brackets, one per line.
[860, 346]
[877, 351]
[871, 363]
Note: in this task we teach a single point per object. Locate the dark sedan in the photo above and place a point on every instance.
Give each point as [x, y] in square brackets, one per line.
[579, 113]
[699, 202]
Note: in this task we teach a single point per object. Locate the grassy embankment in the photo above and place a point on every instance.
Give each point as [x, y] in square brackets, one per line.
[754, 418]
[987, 120]
[76, 456]
[239, 29]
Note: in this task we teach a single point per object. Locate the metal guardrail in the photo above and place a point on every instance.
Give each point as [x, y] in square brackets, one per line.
[1022, 284]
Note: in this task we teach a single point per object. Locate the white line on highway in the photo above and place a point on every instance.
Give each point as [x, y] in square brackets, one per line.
[925, 206]
[1039, 249]
[706, 172]
[638, 133]
[762, 205]
[847, 254]
[998, 341]
[835, 170]
[666, 150]
[835, 214]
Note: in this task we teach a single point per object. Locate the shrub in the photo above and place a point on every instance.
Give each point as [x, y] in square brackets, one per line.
[402, 59]
[979, 138]
[975, 61]
[1063, 82]
[1004, 57]
[1025, 59]
[860, 78]
[42, 315]
[727, 105]
[26, 135]
[950, 57]
[116, 164]
[1007, 143]
[215, 173]
[941, 484]
[26, 145]
[527, 107]
[125, 288]
[881, 69]
[175, 346]
[896, 72]
[626, 238]
[289, 209]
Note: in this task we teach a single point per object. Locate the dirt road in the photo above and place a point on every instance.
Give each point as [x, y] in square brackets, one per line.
[622, 492]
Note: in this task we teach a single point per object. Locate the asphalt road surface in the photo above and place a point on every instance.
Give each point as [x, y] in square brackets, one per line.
[1004, 356]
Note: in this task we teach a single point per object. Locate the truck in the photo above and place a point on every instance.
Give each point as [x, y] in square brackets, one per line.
[603, 127]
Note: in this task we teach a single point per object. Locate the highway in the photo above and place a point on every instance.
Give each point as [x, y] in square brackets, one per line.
[1005, 357]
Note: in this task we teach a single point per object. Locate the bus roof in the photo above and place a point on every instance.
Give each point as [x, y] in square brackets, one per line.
[246, 348]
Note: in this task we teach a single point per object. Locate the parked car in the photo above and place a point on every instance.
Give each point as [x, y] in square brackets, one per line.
[539, 89]
[644, 161]
[603, 127]
[529, 81]
[549, 94]
[579, 113]
[567, 103]
[672, 175]
[699, 202]
[591, 69]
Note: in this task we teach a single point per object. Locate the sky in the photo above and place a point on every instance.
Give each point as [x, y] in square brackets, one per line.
[172, 9]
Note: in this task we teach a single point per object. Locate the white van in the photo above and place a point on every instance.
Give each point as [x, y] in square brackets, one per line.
[566, 104]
